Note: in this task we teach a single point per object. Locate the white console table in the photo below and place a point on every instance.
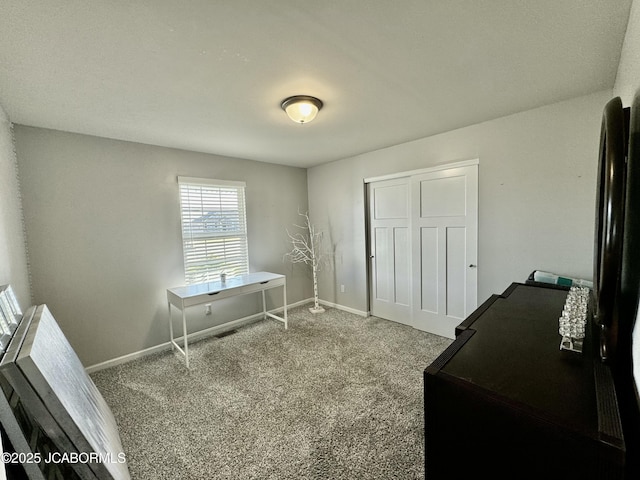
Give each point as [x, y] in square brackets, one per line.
[191, 295]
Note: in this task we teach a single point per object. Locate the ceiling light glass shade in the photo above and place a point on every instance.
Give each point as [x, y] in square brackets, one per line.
[301, 108]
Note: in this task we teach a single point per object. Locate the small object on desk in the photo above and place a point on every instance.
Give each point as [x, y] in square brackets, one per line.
[573, 321]
[538, 276]
[223, 278]
[571, 344]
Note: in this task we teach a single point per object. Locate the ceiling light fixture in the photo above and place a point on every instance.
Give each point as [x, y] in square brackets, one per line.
[301, 108]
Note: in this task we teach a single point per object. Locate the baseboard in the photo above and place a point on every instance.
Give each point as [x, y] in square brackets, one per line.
[208, 332]
[333, 305]
[343, 308]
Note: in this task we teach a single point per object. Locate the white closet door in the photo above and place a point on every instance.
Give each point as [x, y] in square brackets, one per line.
[390, 252]
[444, 248]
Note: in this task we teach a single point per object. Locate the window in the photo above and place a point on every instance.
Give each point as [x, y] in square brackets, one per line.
[214, 231]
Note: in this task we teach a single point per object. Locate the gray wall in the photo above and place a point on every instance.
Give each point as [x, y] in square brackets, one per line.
[537, 182]
[628, 77]
[103, 234]
[13, 256]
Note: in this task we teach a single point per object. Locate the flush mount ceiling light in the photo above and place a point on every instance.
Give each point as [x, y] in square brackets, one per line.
[301, 108]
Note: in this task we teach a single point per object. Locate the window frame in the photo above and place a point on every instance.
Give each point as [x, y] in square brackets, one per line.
[232, 265]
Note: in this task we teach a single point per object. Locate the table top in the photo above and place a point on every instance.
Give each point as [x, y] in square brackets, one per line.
[514, 352]
[188, 291]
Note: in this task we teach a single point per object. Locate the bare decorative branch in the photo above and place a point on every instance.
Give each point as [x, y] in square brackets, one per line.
[306, 249]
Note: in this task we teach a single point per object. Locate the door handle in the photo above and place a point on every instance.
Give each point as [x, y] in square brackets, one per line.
[473, 266]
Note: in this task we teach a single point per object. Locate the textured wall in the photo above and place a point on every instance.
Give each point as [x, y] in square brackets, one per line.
[537, 183]
[13, 257]
[103, 230]
[628, 77]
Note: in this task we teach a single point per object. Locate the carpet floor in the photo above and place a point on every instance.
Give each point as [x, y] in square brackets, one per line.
[336, 396]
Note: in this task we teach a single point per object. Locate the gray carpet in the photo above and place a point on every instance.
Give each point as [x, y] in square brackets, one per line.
[336, 396]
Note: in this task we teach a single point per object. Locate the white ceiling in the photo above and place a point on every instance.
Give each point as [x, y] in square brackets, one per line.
[209, 75]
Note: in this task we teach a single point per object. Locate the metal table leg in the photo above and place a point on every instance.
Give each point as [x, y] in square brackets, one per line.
[171, 327]
[284, 297]
[184, 332]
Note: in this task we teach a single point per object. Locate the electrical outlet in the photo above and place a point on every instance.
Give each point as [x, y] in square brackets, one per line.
[341, 288]
[207, 309]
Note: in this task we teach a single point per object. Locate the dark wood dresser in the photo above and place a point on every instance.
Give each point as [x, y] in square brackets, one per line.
[503, 401]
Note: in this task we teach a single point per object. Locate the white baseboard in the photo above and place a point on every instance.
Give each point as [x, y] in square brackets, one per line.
[210, 332]
[207, 332]
[342, 307]
[336, 306]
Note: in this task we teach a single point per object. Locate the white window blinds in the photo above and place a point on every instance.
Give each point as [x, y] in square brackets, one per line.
[214, 232]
